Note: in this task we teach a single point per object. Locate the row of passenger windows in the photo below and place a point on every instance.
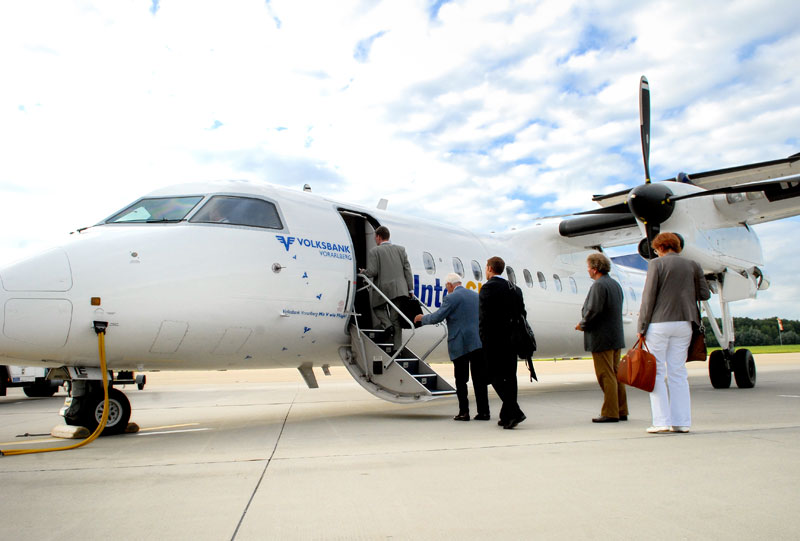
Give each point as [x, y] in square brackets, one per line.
[477, 273]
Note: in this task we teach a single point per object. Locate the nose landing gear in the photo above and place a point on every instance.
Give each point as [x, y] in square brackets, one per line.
[85, 408]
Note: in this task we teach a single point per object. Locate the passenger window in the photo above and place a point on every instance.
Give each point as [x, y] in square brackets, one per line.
[528, 278]
[458, 267]
[512, 277]
[573, 285]
[225, 209]
[542, 280]
[477, 271]
[429, 263]
[557, 282]
[156, 209]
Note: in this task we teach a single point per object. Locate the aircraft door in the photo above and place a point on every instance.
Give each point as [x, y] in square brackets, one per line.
[362, 236]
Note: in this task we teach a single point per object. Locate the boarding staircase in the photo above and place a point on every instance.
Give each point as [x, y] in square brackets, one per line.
[397, 376]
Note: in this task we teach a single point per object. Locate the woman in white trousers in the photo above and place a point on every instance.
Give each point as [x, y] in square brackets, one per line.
[669, 307]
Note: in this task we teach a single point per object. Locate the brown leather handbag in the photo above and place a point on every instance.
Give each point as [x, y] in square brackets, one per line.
[638, 367]
[697, 346]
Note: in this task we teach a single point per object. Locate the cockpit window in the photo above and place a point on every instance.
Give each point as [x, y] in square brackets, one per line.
[227, 209]
[156, 209]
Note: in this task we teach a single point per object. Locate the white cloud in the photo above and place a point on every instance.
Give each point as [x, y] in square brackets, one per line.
[524, 108]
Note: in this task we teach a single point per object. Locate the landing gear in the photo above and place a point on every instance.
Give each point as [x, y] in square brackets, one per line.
[87, 409]
[721, 363]
[744, 369]
[718, 370]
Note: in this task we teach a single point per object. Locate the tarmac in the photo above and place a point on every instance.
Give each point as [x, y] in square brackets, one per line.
[256, 455]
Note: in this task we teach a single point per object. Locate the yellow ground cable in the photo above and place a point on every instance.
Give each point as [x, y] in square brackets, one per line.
[101, 344]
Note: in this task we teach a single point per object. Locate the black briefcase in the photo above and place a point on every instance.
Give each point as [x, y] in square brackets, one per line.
[410, 308]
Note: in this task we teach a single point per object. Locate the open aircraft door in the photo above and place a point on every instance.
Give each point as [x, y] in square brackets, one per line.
[361, 227]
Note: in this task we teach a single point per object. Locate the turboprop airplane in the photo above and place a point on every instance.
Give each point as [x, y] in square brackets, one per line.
[244, 275]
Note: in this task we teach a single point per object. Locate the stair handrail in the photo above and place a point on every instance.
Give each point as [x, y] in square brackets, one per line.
[372, 286]
[443, 324]
[363, 349]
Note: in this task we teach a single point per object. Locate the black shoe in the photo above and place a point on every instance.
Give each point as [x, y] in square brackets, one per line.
[501, 422]
[604, 419]
[482, 417]
[514, 422]
[461, 417]
[623, 417]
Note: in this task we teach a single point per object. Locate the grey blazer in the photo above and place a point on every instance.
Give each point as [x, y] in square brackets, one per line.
[460, 309]
[602, 316]
[674, 285]
[388, 267]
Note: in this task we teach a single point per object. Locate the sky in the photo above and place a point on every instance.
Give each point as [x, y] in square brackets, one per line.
[479, 114]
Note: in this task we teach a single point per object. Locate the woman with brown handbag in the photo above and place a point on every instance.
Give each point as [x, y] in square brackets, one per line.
[669, 307]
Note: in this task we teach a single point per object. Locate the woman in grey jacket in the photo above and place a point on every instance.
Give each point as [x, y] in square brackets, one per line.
[669, 307]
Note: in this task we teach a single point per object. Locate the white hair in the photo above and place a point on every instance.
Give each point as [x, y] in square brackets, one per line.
[452, 278]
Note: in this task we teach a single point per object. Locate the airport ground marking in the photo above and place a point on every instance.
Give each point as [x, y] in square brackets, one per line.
[167, 426]
[173, 431]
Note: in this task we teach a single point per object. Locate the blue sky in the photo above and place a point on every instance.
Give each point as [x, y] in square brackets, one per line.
[482, 114]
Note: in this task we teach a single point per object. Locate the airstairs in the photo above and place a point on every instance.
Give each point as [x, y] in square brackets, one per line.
[396, 376]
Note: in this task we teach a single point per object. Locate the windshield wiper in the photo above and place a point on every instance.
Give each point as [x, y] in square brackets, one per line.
[162, 221]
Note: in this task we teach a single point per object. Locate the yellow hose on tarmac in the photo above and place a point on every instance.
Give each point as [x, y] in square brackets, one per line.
[101, 344]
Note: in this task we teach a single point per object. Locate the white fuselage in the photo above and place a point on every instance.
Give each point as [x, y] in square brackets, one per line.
[199, 296]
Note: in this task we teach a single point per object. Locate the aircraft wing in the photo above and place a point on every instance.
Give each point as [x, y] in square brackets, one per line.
[748, 194]
[724, 178]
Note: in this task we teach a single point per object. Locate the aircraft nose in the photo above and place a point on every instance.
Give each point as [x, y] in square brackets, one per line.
[33, 307]
[49, 271]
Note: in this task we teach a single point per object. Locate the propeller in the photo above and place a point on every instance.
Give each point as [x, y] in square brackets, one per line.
[653, 203]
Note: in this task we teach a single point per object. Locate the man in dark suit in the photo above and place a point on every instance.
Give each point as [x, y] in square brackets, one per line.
[603, 336]
[500, 303]
[460, 309]
[388, 267]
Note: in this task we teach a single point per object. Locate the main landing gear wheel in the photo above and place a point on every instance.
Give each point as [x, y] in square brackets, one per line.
[90, 412]
[744, 369]
[718, 370]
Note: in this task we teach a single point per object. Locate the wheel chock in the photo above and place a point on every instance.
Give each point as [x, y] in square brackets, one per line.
[132, 428]
[70, 432]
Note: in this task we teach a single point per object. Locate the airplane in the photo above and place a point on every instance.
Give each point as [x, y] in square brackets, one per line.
[242, 275]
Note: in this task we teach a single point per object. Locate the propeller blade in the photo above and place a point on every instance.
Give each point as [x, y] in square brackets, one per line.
[644, 124]
[646, 244]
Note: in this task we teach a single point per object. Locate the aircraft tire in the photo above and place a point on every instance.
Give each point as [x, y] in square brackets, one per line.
[3, 378]
[744, 369]
[91, 411]
[40, 390]
[717, 371]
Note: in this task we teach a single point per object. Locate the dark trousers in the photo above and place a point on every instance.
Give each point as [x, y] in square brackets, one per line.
[476, 362]
[503, 365]
[388, 318]
[615, 400]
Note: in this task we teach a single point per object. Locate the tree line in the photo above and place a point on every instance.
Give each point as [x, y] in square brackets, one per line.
[758, 332]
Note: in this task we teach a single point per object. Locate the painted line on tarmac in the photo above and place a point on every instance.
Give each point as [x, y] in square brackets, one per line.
[789, 395]
[172, 431]
[167, 426]
[26, 442]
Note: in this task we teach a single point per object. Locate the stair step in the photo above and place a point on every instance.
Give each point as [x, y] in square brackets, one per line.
[409, 365]
[442, 393]
[428, 380]
[374, 334]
